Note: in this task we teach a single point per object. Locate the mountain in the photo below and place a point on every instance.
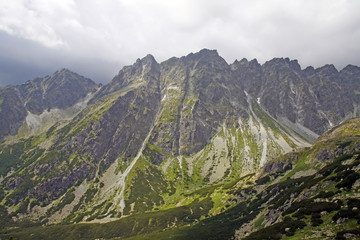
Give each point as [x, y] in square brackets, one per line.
[42, 98]
[168, 144]
[317, 99]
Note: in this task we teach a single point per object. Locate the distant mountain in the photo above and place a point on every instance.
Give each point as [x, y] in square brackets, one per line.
[172, 144]
[60, 91]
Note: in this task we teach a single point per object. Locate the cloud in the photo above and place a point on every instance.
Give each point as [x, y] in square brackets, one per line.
[116, 32]
[35, 20]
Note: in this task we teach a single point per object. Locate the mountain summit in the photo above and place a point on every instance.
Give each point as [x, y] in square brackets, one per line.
[61, 90]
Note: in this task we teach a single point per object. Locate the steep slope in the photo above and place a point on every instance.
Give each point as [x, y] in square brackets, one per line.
[286, 200]
[41, 102]
[302, 97]
[111, 129]
[60, 90]
[12, 112]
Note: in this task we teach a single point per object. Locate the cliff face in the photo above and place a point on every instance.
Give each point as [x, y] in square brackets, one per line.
[62, 90]
[315, 98]
[159, 131]
[12, 112]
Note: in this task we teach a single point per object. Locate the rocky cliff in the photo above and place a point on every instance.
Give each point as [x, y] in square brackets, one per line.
[35, 102]
[317, 99]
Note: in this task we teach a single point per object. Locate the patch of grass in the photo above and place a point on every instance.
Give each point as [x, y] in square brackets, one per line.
[130, 226]
[50, 131]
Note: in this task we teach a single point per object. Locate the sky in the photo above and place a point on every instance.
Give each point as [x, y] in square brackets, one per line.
[97, 38]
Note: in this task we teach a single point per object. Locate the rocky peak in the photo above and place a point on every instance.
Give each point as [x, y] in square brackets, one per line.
[149, 64]
[309, 70]
[328, 69]
[64, 71]
[244, 63]
[350, 76]
[143, 70]
[254, 62]
[283, 63]
[207, 59]
[203, 54]
[61, 77]
[294, 64]
[148, 60]
[241, 62]
[275, 61]
[351, 70]
[60, 90]
[208, 52]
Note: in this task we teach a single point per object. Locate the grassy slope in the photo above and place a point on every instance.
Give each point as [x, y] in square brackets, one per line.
[199, 215]
[330, 196]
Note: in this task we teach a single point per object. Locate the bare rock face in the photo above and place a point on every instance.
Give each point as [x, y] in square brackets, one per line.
[12, 112]
[61, 90]
[315, 98]
[121, 130]
[199, 91]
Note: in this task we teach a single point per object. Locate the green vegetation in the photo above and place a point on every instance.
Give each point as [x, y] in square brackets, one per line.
[145, 188]
[67, 199]
[50, 131]
[217, 211]
[201, 196]
[15, 155]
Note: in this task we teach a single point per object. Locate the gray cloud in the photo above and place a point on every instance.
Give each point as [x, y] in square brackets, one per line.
[96, 38]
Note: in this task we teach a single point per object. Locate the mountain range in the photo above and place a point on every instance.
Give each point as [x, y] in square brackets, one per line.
[190, 148]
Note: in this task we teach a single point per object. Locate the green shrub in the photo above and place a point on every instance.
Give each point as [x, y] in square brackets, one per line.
[324, 194]
[263, 180]
[316, 220]
[349, 180]
[347, 213]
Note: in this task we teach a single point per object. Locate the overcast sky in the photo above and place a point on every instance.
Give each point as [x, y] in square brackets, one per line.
[96, 38]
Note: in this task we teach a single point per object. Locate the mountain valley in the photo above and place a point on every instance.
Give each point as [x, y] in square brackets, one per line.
[190, 148]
